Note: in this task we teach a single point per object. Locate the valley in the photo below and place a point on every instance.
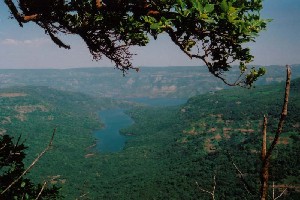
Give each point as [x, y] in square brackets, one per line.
[167, 149]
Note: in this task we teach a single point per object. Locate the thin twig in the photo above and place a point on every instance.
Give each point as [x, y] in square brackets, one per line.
[281, 194]
[203, 189]
[212, 193]
[273, 191]
[32, 164]
[3, 147]
[241, 176]
[214, 188]
[43, 187]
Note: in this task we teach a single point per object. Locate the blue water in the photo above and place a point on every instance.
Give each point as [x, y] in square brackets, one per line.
[109, 138]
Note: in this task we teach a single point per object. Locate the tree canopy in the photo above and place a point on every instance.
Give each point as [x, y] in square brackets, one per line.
[214, 31]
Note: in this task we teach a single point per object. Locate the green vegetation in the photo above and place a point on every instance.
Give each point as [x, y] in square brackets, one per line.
[34, 112]
[193, 144]
[168, 149]
[214, 32]
[13, 185]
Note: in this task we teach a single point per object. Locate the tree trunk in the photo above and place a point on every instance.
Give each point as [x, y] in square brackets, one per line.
[265, 163]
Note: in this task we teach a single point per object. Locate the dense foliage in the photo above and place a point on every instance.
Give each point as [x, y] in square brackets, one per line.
[11, 168]
[213, 31]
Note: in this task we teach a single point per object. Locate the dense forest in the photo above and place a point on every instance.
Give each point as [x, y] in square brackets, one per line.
[168, 149]
[33, 112]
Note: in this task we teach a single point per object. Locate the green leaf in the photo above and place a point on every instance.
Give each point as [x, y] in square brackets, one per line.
[23, 184]
[224, 6]
[209, 8]
[243, 67]
[155, 26]
[186, 13]
[197, 5]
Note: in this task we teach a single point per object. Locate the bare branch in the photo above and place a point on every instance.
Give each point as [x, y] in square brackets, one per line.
[273, 191]
[19, 17]
[212, 193]
[280, 194]
[264, 142]
[3, 147]
[283, 113]
[14, 11]
[203, 189]
[43, 187]
[55, 39]
[241, 176]
[274, 198]
[266, 155]
[32, 164]
[214, 188]
[30, 17]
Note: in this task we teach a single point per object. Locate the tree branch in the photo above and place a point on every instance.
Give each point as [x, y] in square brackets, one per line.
[266, 154]
[212, 193]
[43, 187]
[55, 39]
[264, 141]
[283, 112]
[241, 176]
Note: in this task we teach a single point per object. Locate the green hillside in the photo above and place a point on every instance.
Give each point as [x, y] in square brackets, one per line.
[194, 144]
[168, 149]
[34, 112]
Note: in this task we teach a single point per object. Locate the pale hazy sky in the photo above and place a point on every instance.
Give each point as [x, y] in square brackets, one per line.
[29, 47]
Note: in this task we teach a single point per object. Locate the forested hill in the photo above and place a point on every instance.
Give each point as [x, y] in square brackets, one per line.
[246, 104]
[177, 82]
[32, 112]
[168, 149]
[202, 138]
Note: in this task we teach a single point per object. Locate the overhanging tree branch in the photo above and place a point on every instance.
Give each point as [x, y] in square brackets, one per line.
[110, 28]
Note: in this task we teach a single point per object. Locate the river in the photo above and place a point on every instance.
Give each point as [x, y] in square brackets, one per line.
[109, 138]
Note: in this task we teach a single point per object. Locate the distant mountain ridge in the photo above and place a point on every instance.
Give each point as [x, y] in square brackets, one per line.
[153, 82]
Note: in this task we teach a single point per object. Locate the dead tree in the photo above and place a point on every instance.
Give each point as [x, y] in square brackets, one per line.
[266, 153]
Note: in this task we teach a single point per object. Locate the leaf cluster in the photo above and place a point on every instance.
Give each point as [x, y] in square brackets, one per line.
[214, 31]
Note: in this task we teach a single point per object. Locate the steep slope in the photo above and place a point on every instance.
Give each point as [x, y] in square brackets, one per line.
[34, 112]
[204, 136]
